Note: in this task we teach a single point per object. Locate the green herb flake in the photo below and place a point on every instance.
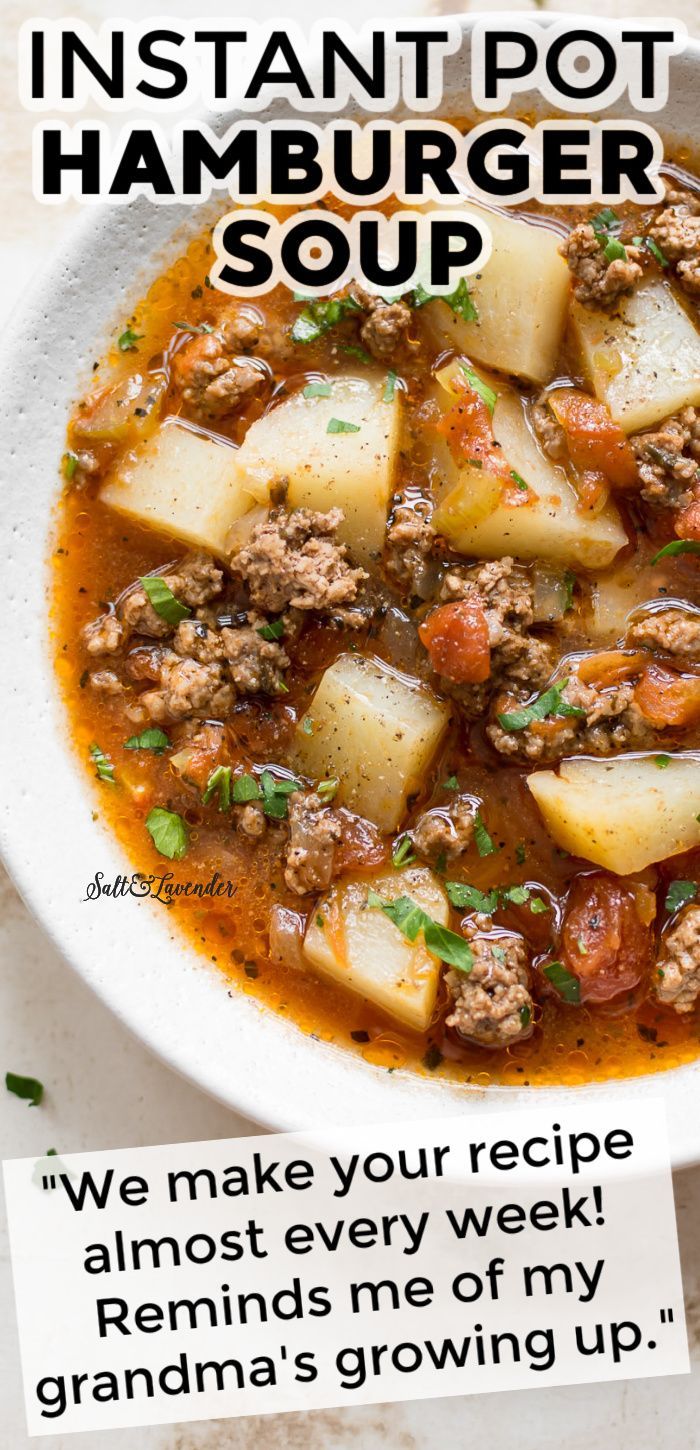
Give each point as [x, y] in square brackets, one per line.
[245, 788]
[219, 783]
[568, 585]
[520, 854]
[460, 300]
[275, 795]
[537, 905]
[271, 631]
[161, 597]
[614, 251]
[338, 425]
[104, 769]
[653, 248]
[199, 330]
[389, 387]
[411, 920]
[677, 546]
[606, 222]
[320, 920]
[28, 1088]
[451, 783]
[403, 853]
[128, 340]
[327, 789]
[550, 703]
[319, 316]
[565, 984]
[519, 481]
[307, 725]
[679, 894]
[317, 390]
[70, 463]
[525, 1015]
[462, 895]
[484, 844]
[661, 761]
[358, 352]
[152, 739]
[486, 393]
[515, 895]
[168, 833]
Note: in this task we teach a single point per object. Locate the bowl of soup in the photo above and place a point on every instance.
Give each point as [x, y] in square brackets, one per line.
[352, 706]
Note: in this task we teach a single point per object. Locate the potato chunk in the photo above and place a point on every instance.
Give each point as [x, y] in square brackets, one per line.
[353, 470]
[645, 361]
[551, 525]
[376, 730]
[521, 297]
[623, 813]
[185, 484]
[359, 947]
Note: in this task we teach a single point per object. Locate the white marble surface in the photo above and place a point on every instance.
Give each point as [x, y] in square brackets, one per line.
[103, 1090]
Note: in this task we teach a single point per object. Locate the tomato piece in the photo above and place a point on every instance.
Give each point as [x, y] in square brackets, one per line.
[362, 848]
[468, 429]
[604, 942]
[610, 667]
[593, 491]
[666, 698]
[456, 637]
[687, 525]
[595, 442]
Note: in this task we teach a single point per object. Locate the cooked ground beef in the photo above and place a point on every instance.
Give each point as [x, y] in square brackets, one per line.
[251, 820]
[253, 664]
[386, 325]
[107, 682]
[185, 688]
[597, 282]
[242, 330]
[210, 379]
[104, 635]
[315, 831]
[669, 460]
[409, 542]
[550, 434]
[492, 1004]
[612, 722]
[676, 230]
[445, 832]
[505, 593]
[675, 631]
[677, 976]
[294, 559]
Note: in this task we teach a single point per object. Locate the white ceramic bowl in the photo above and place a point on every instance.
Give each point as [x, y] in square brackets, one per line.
[241, 1053]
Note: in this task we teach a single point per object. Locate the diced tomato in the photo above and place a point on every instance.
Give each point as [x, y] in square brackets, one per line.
[604, 942]
[611, 666]
[595, 442]
[468, 429]
[593, 491]
[456, 637]
[362, 847]
[666, 698]
[687, 525]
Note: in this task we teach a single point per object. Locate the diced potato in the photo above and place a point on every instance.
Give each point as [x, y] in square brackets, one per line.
[376, 730]
[614, 597]
[184, 483]
[362, 949]
[521, 297]
[552, 526]
[623, 813]
[351, 470]
[644, 362]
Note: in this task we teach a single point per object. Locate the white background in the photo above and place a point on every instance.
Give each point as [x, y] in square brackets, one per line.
[104, 1090]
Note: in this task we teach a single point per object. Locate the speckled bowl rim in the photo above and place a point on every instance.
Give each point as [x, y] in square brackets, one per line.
[245, 1055]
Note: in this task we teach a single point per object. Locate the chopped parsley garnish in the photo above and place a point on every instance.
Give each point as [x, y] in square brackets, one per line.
[219, 783]
[70, 463]
[161, 597]
[273, 630]
[486, 393]
[275, 795]
[168, 833]
[519, 480]
[411, 919]
[606, 222]
[128, 340]
[565, 983]
[520, 854]
[245, 788]
[462, 895]
[515, 895]
[661, 761]
[358, 352]
[338, 425]
[152, 739]
[451, 783]
[614, 251]
[104, 769]
[460, 301]
[307, 725]
[568, 585]
[198, 330]
[679, 894]
[537, 905]
[317, 390]
[525, 1015]
[652, 247]
[403, 853]
[484, 844]
[550, 703]
[677, 546]
[389, 387]
[327, 789]
[320, 316]
[28, 1088]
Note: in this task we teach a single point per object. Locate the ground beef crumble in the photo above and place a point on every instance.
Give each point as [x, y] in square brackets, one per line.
[409, 543]
[676, 230]
[315, 831]
[674, 631]
[597, 282]
[386, 326]
[505, 593]
[445, 832]
[294, 560]
[612, 722]
[550, 433]
[668, 460]
[492, 1005]
[212, 381]
[677, 976]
